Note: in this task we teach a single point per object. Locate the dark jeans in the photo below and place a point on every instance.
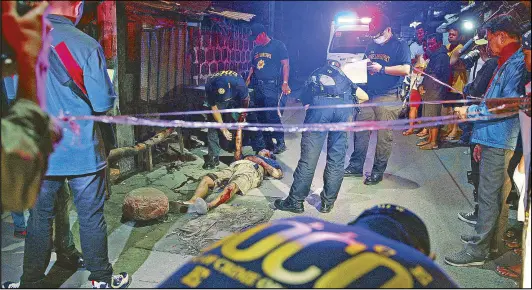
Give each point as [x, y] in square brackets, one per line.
[311, 144]
[267, 95]
[475, 175]
[215, 135]
[89, 195]
[494, 186]
[384, 137]
[467, 131]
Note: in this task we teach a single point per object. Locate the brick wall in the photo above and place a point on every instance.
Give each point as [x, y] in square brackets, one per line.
[214, 49]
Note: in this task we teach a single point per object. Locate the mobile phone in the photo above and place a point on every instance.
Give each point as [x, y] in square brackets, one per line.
[7, 54]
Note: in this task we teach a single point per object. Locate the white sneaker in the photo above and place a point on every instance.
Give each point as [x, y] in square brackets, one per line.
[119, 281]
[11, 285]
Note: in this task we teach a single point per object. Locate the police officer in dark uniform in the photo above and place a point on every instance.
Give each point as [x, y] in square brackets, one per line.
[227, 90]
[327, 85]
[389, 63]
[387, 246]
[269, 57]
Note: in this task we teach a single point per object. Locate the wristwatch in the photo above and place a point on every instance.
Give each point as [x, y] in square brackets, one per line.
[382, 71]
[285, 83]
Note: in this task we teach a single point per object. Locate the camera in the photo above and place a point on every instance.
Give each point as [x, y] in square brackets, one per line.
[470, 58]
[7, 53]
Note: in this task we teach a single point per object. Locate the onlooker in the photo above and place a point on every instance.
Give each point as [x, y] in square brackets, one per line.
[28, 133]
[440, 69]
[390, 62]
[67, 254]
[495, 139]
[476, 89]
[458, 79]
[80, 158]
[269, 57]
[387, 246]
[420, 63]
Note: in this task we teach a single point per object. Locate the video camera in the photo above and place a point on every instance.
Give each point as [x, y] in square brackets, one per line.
[7, 53]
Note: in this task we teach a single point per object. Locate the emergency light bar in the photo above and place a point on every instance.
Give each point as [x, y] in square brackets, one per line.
[365, 20]
[345, 20]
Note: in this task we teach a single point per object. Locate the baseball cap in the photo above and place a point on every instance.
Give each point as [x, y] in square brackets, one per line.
[526, 40]
[397, 223]
[505, 23]
[378, 24]
[256, 29]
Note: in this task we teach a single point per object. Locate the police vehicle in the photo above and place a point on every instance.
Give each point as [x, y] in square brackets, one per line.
[348, 41]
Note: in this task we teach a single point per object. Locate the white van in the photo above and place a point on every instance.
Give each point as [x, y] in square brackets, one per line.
[348, 40]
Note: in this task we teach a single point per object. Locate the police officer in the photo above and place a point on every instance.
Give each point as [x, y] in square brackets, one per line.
[389, 63]
[326, 86]
[269, 55]
[387, 246]
[226, 90]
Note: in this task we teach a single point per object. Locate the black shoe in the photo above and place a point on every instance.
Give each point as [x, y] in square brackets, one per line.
[72, 262]
[348, 172]
[279, 149]
[325, 207]
[289, 204]
[211, 162]
[373, 179]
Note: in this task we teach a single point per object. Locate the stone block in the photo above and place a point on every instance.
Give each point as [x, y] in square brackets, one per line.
[145, 203]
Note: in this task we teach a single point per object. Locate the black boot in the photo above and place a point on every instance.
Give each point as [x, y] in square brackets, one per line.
[289, 204]
[211, 162]
[325, 207]
[373, 178]
[72, 262]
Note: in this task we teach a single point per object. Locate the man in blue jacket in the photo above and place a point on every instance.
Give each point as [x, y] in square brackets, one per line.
[496, 140]
[79, 158]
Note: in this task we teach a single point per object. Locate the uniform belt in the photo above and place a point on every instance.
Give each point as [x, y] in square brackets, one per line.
[330, 96]
[266, 82]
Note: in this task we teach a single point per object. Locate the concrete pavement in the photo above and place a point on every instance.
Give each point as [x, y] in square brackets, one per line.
[433, 184]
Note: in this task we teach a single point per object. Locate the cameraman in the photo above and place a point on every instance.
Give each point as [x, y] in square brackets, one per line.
[28, 133]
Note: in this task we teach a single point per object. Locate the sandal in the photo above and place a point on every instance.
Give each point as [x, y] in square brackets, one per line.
[422, 134]
[429, 146]
[408, 132]
[513, 272]
[423, 143]
[514, 244]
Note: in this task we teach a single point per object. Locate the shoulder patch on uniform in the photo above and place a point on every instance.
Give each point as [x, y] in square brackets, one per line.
[221, 91]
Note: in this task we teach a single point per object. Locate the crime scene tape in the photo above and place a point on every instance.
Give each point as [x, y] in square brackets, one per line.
[355, 126]
[438, 81]
[343, 106]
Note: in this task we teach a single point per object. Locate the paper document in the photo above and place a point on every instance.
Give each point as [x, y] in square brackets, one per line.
[357, 71]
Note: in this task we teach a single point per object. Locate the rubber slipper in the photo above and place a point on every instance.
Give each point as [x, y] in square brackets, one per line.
[513, 272]
[422, 143]
[428, 147]
[422, 135]
[513, 244]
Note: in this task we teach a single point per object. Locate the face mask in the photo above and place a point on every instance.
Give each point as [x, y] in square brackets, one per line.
[80, 14]
[381, 39]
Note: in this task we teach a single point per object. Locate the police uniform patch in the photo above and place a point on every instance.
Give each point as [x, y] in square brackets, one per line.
[221, 91]
[260, 64]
